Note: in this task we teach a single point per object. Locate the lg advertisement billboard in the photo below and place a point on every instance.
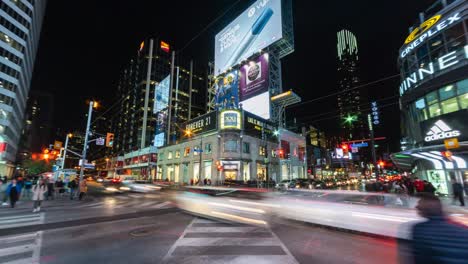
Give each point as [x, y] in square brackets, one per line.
[161, 95]
[256, 28]
[161, 103]
[254, 86]
[227, 91]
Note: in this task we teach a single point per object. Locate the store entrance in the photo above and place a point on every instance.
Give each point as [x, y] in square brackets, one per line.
[230, 175]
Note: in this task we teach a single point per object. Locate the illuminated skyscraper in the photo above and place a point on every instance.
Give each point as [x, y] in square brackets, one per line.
[20, 27]
[349, 102]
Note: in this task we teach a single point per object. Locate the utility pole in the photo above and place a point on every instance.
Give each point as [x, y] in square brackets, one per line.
[147, 87]
[69, 135]
[200, 152]
[190, 91]
[85, 145]
[374, 159]
[169, 116]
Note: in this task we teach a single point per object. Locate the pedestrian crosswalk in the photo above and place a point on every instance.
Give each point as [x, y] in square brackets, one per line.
[16, 220]
[208, 241]
[21, 249]
[115, 203]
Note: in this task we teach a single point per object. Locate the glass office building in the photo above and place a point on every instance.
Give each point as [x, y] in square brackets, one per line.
[20, 27]
[434, 95]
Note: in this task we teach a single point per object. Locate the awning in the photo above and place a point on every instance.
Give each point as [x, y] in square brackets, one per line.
[433, 155]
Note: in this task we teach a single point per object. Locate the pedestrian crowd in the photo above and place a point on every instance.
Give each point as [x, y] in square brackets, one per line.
[38, 189]
[406, 187]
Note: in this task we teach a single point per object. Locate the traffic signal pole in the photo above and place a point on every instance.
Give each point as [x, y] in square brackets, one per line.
[85, 145]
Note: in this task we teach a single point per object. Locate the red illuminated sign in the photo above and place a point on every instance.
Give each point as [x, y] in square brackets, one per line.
[165, 46]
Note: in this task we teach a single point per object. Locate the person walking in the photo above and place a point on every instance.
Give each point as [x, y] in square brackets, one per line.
[457, 192]
[39, 190]
[27, 188]
[83, 189]
[73, 185]
[437, 240]
[60, 186]
[50, 189]
[13, 192]
[3, 195]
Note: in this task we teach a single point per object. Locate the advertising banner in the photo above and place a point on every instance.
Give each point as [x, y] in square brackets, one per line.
[161, 103]
[256, 28]
[254, 77]
[161, 95]
[227, 91]
[230, 119]
[255, 126]
[258, 105]
[453, 125]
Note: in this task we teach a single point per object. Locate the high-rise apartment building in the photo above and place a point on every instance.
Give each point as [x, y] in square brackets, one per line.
[20, 27]
[350, 99]
[189, 92]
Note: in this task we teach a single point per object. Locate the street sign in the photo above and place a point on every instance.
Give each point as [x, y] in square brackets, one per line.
[451, 143]
[58, 144]
[359, 145]
[100, 141]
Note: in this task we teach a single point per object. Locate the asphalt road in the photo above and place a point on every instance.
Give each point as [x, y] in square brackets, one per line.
[144, 228]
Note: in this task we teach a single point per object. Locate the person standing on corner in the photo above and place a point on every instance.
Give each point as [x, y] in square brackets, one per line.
[457, 192]
[83, 189]
[39, 190]
[13, 191]
[73, 184]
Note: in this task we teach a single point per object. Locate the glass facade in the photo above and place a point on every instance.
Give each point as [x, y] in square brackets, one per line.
[19, 36]
[448, 99]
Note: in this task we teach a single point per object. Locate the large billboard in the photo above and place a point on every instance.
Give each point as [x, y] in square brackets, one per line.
[254, 77]
[161, 103]
[254, 82]
[227, 91]
[256, 28]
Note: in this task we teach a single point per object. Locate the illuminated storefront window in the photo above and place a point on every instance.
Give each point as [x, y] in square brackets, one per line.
[448, 99]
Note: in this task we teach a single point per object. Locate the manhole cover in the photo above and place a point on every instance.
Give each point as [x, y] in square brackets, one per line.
[140, 232]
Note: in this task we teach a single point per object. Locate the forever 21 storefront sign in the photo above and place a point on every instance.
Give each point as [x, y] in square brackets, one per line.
[202, 124]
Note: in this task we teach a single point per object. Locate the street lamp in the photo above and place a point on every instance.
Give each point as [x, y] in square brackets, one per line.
[92, 104]
[69, 135]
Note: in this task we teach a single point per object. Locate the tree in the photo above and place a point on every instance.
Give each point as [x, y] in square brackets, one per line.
[36, 166]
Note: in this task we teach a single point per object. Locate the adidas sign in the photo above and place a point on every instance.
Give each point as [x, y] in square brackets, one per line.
[440, 130]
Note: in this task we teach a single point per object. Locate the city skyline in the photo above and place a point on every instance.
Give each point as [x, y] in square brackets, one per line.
[293, 77]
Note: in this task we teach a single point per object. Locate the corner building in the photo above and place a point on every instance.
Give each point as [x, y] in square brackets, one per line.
[20, 28]
[434, 96]
[232, 145]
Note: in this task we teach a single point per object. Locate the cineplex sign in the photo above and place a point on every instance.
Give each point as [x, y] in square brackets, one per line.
[426, 30]
[445, 61]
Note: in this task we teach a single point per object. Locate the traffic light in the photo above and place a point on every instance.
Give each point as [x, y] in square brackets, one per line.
[381, 163]
[110, 140]
[281, 153]
[219, 166]
[345, 149]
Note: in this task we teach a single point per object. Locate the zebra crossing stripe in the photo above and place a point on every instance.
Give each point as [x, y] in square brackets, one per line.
[20, 220]
[208, 241]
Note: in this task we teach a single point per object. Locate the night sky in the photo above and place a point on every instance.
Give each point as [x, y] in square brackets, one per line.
[86, 44]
